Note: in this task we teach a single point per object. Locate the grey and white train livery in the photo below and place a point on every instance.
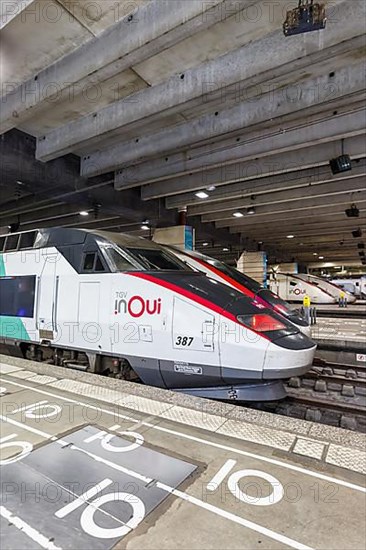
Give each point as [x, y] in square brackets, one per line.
[123, 306]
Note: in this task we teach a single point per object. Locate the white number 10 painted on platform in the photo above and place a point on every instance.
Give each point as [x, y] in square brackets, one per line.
[233, 485]
[87, 516]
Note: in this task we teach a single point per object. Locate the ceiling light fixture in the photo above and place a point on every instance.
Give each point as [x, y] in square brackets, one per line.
[84, 213]
[352, 212]
[251, 210]
[315, 254]
[205, 244]
[238, 215]
[211, 188]
[341, 164]
[290, 236]
[202, 195]
[145, 227]
[225, 249]
[321, 257]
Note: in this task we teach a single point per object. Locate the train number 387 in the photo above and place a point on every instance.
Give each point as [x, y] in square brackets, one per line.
[185, 341]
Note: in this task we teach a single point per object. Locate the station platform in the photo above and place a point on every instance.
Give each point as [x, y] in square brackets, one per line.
[92, 462]
[341, 340]
[344, 331]
[357, 310]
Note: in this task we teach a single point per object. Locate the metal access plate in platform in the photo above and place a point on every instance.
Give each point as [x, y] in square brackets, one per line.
[87, 491]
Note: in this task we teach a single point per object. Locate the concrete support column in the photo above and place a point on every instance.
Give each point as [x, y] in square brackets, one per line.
[181, 236]
[182, 216]
[254, 264]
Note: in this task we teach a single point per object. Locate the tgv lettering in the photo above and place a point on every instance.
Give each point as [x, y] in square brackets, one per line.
[137, 306]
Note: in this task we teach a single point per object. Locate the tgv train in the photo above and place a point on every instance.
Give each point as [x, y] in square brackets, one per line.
[235, 279]
[125, 307]
[334, 290]
[294, 287]
[353, 285]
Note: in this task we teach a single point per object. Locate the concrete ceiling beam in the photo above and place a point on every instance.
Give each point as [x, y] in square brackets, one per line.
[288, 180]
[290, 211]
[301, 229]
[150, 29]
[225, 209]
[180, 89]
[226, 150]
[332, 255]
[10, 10]
[46, 213]
[321, 250]
[340, 230]
[292, 218]
[324, 240]
[244, 116]
[282, 163]
[272, 185]
[64, 221]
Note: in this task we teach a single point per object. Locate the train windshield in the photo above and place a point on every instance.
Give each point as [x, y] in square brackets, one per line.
[156, 259]
[262, 295]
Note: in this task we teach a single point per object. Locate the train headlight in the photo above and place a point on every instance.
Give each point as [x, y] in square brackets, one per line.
[261, 322]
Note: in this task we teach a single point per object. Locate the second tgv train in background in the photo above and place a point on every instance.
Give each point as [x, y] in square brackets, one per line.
[294, 287]
[353, 285]
[230, 276]
[117, 305]
[334, 290]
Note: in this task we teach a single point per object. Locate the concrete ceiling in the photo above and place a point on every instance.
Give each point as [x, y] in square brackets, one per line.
[127, 109]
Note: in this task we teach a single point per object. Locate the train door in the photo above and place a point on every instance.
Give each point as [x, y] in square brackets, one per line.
[195, 348]
[88, 314]
[47, 283]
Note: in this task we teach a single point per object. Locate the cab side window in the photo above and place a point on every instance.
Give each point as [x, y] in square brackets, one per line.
[92, 263]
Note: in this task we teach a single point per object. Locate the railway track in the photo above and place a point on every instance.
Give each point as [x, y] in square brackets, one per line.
[331, 394]
[350, 371]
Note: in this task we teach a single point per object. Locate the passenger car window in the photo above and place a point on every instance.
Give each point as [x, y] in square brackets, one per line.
[17, 296]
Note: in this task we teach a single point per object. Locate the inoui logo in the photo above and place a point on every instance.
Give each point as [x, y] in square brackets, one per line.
[297, 291]
[137, 306]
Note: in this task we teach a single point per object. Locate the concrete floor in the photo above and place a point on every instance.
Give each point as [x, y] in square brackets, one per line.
[249, 486]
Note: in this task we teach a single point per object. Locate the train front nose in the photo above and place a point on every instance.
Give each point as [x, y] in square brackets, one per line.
[301, 324]
[290, 355]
